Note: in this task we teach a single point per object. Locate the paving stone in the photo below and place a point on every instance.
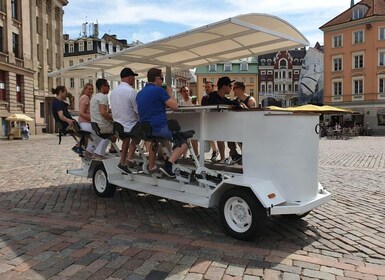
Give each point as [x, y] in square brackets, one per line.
[52, 224]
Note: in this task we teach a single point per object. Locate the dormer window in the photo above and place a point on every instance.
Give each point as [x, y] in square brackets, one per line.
[359, 12]
[212, 67]
[228, 67]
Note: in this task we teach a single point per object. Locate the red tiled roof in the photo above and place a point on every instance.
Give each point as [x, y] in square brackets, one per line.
[376, 7]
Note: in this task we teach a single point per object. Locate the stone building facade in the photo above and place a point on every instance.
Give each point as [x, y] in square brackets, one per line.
[30, 46]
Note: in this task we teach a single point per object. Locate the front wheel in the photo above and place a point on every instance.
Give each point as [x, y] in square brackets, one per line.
[100, 182]
[241, 213]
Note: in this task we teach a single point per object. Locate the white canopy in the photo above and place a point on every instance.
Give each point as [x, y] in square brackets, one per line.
[237, 37]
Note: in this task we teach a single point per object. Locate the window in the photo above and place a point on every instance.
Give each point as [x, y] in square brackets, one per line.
[358, 86]
[358, 12]
[37, 25]
[381, 34]
[251, 80]
[81, 60]
[296, 72]
[263, 62]
[71, 48]
[82, 83]
[212, 67]
[1, 5]
[244, 66]
[42, 111]
[269, 72]
[227, 67]
[263, 87]
[1, 39]
[337, 64]
[337, 88]
[90, 45]
[15, 44]
[71, 62]
[358, 61]
[381, 84]
[81, 46]
[358, 37]
[244, 80]
[289, 74]
[19, 79]
[14, 9]
[2, 86]
[381, 58]
[337, 41]
[296, 87]
[72, 82]
[251, 91]
[282, 64]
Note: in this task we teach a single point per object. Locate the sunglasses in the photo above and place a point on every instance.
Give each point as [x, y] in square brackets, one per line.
[162, 78]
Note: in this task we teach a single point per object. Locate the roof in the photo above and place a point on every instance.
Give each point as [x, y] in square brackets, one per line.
[232, 38]
[375, 8]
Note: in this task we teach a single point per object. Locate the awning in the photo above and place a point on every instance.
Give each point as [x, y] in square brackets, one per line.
[19, 117]
[310, 108]
[237, 37]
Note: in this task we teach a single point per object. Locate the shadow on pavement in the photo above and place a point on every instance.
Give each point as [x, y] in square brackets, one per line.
[68, 231]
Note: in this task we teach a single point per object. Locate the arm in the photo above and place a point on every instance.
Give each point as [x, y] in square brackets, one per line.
[251, 103]
[172, 104]
[104, 112]
[82, 109]
[65, 119]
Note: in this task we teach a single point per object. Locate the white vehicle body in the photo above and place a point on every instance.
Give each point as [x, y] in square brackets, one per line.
[280, 161]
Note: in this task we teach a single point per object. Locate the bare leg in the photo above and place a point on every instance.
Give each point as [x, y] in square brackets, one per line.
[123, 156]
[221, 148]
[176, 154]
[131, 150]
[213, 145]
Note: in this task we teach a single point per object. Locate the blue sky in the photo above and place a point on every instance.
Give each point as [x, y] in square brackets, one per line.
[151, 20]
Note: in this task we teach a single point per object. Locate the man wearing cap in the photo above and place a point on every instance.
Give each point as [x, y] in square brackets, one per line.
[125, 111]
[219, 97]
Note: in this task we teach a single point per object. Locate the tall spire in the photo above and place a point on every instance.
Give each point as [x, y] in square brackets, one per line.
[351, 3]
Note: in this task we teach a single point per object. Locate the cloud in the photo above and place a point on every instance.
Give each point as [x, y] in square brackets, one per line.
[148, 19]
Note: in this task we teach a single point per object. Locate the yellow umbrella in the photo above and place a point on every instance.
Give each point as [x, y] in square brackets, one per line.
[276, 108]
[19, 118]
[328, 108]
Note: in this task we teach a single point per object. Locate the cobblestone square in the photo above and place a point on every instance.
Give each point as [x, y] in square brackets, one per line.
[53, 226]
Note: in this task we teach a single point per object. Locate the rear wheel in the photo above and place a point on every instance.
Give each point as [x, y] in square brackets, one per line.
[241, 213]
[100, 182]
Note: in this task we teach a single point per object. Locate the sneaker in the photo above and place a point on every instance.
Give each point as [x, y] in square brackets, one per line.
[236, 158]
[155, 169]
[77, 150]
[112, 151]
[131, 163]
[168, 172]
[124, 168]
[215, 155]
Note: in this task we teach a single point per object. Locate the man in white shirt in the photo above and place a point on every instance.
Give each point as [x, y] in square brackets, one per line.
[125, 111]
[99, 114]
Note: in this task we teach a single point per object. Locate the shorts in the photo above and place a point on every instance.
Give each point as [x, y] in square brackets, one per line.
[163, 132]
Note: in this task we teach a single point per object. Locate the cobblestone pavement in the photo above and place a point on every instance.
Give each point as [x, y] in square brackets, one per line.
[52, 226]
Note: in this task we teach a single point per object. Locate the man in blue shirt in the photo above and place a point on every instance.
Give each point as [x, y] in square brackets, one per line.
[152, 101]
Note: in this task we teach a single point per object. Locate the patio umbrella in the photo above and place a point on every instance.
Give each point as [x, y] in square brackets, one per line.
[19, 118]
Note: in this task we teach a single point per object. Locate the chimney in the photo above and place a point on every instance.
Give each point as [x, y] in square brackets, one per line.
[351, 3]
[66, 37]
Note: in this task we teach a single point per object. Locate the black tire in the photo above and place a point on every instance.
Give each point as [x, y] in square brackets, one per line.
[241, 213]
[100, 182]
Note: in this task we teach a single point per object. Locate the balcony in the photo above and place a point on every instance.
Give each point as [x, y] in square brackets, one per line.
[3, 57]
